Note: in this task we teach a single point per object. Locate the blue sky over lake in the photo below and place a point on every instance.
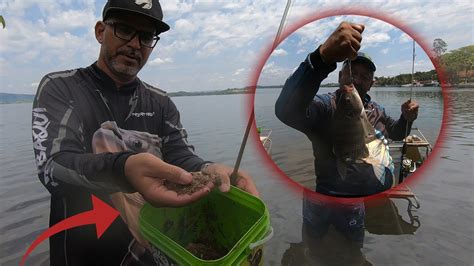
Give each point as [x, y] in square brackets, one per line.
[215, 45]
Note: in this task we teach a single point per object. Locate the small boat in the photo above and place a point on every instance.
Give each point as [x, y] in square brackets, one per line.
[431, 83]
[414, 84]
[412, 151]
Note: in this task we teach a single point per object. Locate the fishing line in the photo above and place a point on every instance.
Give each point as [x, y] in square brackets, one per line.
[412, 81]
[405, 139]
[234, 175]
[412, 71]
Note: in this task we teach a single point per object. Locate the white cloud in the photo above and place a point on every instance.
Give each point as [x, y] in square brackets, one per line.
[71, 19]
[233, 6]
[220, 39]
[175, 9]
[404, 38]
[375, 38]
[405, 67]
[300, 51]
[269, 68]
[185, 26]
[224, 26]
[19, 7]
[279, 52]
[315, 33]
[158, 61]
[273, 74]
[239, 71]
[210, 48]
[25, 42]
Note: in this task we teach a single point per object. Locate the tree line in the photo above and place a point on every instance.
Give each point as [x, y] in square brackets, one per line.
[406, 78]
[458, 64]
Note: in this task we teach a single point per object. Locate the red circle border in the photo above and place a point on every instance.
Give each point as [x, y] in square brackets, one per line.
[341, 12]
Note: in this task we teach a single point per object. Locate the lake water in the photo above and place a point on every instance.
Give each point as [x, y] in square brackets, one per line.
[444, 234]
[293, 152]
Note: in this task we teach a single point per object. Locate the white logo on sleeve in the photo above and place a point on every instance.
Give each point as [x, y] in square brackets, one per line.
[40, 135]
[145, 4]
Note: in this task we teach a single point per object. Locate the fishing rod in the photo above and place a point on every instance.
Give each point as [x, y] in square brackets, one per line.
[282, 23]
[235, 174]
[406, 163]
[412, 71]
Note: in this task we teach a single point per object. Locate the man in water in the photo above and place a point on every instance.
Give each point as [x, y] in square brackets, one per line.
[70, 106]
[298, 107]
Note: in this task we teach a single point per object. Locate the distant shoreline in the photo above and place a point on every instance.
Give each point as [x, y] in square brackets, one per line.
[11, 98]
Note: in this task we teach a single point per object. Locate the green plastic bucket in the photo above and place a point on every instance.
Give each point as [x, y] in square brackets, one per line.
[238, 222]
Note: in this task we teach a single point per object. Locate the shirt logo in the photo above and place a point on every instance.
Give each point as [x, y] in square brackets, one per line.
[40, 135]
[142, 114]
[145, 4]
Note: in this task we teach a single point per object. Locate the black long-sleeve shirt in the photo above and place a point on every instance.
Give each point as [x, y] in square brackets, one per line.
[299, 107]
[68, 109]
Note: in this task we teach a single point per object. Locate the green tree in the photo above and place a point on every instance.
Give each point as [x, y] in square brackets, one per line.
[459, 64]
[439, 47]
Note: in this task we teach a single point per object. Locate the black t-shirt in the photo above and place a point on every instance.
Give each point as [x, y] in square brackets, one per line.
[69, 108]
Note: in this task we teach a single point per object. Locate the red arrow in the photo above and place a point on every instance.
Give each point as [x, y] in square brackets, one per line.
[102, 215]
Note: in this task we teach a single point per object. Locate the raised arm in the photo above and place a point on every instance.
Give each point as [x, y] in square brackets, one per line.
[399, 129]
[295, 106]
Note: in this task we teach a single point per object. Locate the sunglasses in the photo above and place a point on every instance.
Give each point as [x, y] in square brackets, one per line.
[127, 33]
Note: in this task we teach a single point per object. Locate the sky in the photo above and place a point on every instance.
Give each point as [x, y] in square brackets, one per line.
[214, 45]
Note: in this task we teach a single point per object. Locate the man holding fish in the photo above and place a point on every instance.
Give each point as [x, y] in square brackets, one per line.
[347, 129]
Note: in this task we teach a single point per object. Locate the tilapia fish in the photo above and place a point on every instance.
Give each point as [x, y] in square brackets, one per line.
[354, 138]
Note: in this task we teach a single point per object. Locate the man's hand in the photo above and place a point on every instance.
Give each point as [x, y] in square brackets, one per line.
[146, 173]
[244, 181]
[343, 43]
[410, 110]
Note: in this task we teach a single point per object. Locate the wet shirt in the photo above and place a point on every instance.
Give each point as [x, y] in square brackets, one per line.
[71, 106]
[299, 107]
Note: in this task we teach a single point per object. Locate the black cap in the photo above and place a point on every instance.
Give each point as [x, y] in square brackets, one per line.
[149, 8]
[365, 58]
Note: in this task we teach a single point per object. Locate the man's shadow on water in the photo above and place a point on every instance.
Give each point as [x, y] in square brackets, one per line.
[333, 234]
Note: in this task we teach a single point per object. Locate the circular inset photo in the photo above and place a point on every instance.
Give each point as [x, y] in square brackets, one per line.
[349, 105]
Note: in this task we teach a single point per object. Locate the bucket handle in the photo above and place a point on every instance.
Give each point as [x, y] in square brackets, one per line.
[263, 240]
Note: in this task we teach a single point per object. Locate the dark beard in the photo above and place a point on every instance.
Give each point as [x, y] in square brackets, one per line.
[123, 69]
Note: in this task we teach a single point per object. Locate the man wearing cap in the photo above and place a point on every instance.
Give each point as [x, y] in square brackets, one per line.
[298, 107]
[76, 112]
